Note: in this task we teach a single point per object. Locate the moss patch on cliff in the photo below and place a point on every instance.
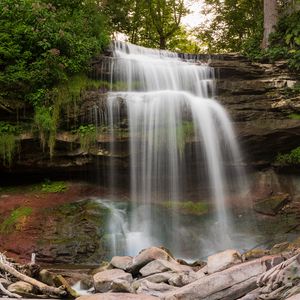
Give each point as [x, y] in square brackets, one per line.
[187, 207]
[15, 219]
[8, 142]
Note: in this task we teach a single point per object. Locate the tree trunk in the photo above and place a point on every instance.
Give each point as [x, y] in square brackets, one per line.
[162, 42]
[270, 20]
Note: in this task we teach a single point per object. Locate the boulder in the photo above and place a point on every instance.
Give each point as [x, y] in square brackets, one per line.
[272, 205]
[146, 256]
[184, 278]
[21, 288]
[154, 289]
[160, 265]
[155, 278]
[87, 282]
[256, 253]
[121, 262]
[223, 260]
[117, 296]
[46, 277]
[103, 281]
[229, 284]
[121, 286]
[251, 296]
[279, 248]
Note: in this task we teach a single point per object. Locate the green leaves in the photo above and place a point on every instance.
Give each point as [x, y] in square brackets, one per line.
[44, 42]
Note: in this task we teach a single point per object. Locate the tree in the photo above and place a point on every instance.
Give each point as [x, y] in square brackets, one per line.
[235, 25]
[165, 18]
[152, 23]
[270, 20]
[44, 42]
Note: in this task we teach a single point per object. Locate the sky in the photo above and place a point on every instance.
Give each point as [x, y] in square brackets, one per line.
[195, 17]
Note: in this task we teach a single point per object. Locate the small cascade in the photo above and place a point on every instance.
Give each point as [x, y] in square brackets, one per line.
[181, 142]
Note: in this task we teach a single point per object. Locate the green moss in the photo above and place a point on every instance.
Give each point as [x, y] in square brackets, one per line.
[15, 218]
[294, 116]
[292, 158]
[8, 142]
[187, 207]
[54, 187]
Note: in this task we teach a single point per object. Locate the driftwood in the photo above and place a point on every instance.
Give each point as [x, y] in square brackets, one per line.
[44, 288]
[281, 281]
[8, 293]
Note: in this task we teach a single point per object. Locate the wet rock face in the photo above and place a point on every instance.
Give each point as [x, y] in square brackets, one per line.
[73, 234]
[255, 95]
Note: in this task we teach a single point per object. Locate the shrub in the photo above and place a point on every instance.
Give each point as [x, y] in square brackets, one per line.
[87, 136]
[292, 158]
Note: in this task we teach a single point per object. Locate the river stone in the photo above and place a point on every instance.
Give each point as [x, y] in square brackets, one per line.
[272, 205]
[21, 288]
[46, 277]
[116, 296]
[279, 248]
[103, 281]
[156, 278]
[184, 278]
[121, 286]
[229, 284]
[159, 265]
[223, 260]
[154, 289]
[256, 253]
[121, 262]
[146, 256]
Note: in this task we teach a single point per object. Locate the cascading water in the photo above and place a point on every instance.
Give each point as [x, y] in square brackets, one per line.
[178, 135]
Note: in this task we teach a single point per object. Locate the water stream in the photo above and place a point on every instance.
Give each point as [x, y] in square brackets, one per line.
[174, 123]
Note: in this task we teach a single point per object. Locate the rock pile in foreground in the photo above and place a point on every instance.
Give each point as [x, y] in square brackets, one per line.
[155, 274]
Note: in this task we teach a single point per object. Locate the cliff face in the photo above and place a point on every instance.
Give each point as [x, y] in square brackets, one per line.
[260, 98]
[262, 101]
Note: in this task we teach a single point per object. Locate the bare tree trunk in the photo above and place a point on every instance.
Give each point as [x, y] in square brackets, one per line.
[270, 20]
[162, 42]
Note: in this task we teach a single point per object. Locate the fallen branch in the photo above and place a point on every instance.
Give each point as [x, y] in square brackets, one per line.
[8, 293]
[44, 288]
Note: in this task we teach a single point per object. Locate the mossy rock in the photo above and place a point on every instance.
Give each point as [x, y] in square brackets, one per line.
[255, 253]
[74, 233]
[279, 248]
[272, 205]
[187, 207]
[16, 219]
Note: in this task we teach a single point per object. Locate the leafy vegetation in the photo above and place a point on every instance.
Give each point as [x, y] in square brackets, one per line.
[54, 186]
[292, 158]
[236, 25]
[43, 42]
[155, 23]
[285, 42]
[15, 219]
[87, 136]
[8, 142]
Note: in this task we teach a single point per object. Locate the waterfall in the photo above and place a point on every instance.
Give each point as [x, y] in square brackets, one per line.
[179, 136]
